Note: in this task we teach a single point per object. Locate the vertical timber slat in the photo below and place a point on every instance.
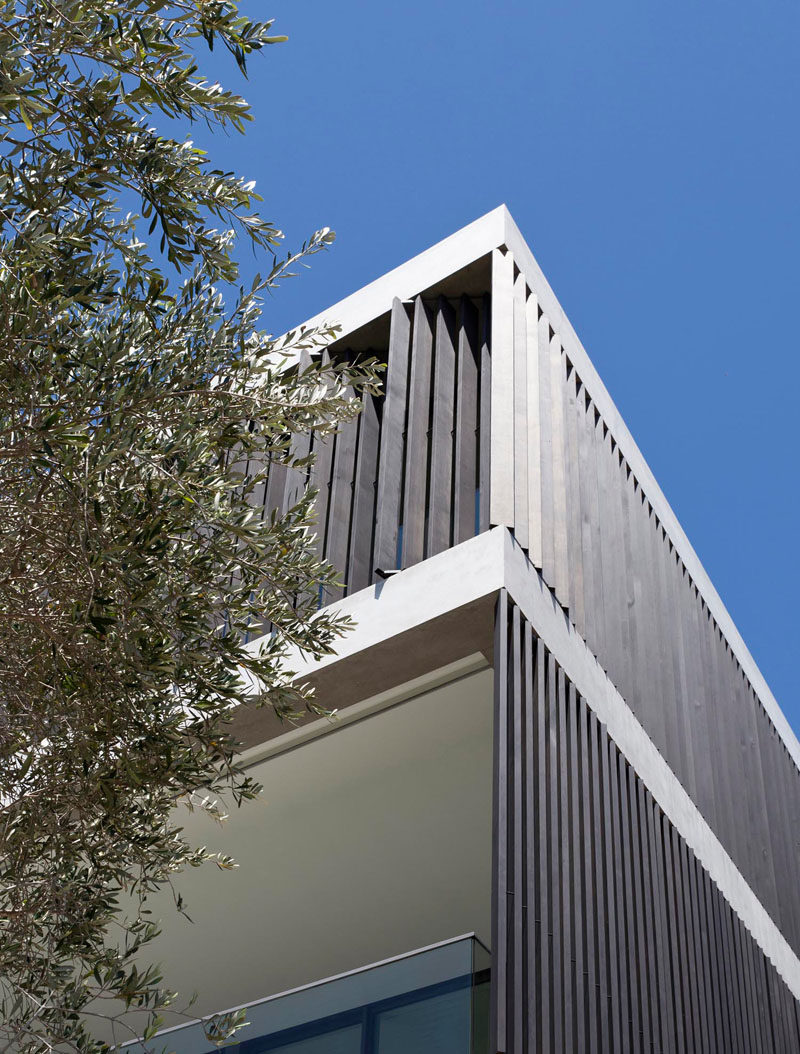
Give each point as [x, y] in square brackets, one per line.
[521, 470]
[558, 376]
[359, 569]
[390, 465]
[502, 390]
[442, 429]
[544, 968]
[546, 453]
[466, 425]
[418, 436]
[485, 419]
[534, 433]
[498, 1023]
[341, 503]
[517, 764]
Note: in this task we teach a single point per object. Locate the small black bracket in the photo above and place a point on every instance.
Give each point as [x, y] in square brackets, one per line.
[379, 571]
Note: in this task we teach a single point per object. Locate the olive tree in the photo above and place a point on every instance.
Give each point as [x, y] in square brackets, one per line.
[141, 405]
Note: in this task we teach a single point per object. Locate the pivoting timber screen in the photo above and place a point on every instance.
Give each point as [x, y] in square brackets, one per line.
[608, 934]
[405, 479]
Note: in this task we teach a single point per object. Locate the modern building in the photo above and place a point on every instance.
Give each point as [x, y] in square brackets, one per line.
[559, 809]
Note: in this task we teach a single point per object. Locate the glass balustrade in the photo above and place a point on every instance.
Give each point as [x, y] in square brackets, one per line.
[431, 1001]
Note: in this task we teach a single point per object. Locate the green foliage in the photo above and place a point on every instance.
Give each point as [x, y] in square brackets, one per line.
[138, 413]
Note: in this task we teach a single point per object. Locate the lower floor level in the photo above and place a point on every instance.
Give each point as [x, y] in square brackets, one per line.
[481, 853]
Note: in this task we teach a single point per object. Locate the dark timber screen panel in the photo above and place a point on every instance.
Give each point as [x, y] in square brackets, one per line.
[574, 503]
[408, 477]
[608, 933]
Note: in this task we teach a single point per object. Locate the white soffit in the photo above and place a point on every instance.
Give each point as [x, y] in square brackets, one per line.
[423, 685]
[497, 229]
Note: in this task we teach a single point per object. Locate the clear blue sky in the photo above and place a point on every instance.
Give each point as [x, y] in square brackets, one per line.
[649, 153]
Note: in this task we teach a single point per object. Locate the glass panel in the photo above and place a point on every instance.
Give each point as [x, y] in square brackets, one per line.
[434, 1001]
[438, 1025]
[342, 1041]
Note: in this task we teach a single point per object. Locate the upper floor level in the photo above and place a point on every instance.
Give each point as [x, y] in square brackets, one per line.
[492, 414]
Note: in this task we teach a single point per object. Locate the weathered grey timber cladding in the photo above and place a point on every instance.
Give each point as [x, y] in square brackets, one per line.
[608, 933]
[590, 530]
